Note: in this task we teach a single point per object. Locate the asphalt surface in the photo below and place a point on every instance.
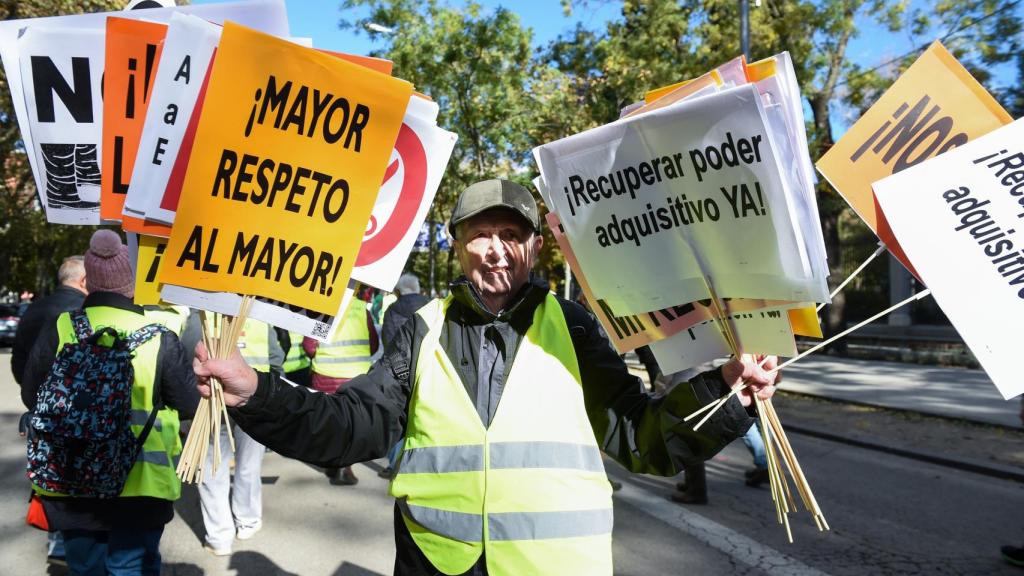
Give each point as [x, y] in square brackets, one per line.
[889, 515]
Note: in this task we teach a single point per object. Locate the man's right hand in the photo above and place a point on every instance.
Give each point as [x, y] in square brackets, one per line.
[236, 377]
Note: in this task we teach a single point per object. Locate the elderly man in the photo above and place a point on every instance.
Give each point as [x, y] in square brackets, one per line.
[506, 395]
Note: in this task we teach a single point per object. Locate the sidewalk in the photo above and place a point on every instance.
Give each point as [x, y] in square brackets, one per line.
[951, 392]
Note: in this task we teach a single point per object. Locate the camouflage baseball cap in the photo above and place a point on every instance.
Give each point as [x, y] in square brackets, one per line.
[495, 193]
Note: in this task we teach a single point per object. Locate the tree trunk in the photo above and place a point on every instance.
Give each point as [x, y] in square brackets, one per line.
[829, 209]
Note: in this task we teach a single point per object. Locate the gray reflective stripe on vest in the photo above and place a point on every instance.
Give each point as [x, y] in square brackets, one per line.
[140, 417]
[547, 525]
[158, 458]
[341, 343]
[504, 455]
[257, 360]
[455, 525]
[344, 360]
[435, 459]
[512, 525]
[546, 455]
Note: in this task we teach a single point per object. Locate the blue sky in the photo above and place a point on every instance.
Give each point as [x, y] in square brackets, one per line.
[318, 19]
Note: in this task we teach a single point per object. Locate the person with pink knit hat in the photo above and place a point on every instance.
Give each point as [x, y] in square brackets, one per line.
[122, 535]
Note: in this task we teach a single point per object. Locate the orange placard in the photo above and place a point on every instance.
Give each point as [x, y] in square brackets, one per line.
[289, 153]
[133, 52]
[376, 64]
[936, 105]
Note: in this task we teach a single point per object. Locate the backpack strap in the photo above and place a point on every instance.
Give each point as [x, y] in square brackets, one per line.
[80, 322]
[131, 342]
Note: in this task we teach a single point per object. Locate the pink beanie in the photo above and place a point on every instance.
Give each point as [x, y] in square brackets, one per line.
[107, 268]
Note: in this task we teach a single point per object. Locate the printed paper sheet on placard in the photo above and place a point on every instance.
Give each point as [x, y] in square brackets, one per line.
[267, 15]
[652, 206]
[960, 219]
[935, 106]
[289, 154]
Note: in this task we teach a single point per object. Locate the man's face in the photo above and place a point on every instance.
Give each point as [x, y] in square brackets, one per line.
[497, 250]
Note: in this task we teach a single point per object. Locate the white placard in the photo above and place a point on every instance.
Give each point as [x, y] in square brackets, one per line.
[185, 58]
[62, 70]
[411, 180]
[763, 332]
[266, 15]
[960, 219]
[657, 205]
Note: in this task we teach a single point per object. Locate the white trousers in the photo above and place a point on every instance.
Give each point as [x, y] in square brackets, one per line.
[230, 503]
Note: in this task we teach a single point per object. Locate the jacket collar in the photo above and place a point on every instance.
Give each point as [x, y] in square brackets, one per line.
[111, 300]
[519, 310]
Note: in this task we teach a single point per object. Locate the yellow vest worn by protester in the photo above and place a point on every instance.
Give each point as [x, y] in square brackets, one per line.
[296, 358]
[153, 472]
[172, 318]
[529, 491]
[348, 353]
[254, 345]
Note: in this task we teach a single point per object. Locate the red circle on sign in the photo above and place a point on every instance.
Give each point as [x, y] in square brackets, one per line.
[414, 186]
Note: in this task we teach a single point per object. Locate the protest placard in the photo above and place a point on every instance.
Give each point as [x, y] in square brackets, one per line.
[267, 15]
[935, 106]
[289, 155]
[147, 266]
[188, 48]
[413, 176]
[63, 71]
[957, 218]
[635, 330]
[133, 49]
[759, 332]
[661, 205]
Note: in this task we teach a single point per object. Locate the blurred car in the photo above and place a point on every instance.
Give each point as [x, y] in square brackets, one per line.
[10, 315]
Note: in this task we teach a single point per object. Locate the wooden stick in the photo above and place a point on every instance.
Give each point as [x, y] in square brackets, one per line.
[821, 345]
[881, 248]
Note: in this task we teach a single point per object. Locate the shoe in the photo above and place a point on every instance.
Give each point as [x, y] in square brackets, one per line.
[758, 477]
[1013, 555]
[750, 472]
[347, 478]
[246, 532]
[616, 486]
[225, 551]
[387, 473]
[682, 486]
[689, 498]
[57, 561]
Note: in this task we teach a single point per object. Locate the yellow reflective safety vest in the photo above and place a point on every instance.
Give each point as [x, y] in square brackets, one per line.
[529, 491]
[254, 344]
[172, 318]
[153, 473]
[348, 353]
[296, 358]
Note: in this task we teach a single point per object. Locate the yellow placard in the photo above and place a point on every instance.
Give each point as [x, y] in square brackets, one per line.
[805, 322]
[147, 268]
[936, 105]
[289, 155]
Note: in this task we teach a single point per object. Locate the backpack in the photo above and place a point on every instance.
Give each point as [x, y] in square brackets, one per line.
[82, 443]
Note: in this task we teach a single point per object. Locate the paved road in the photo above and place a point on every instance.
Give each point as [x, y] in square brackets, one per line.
[888, 515]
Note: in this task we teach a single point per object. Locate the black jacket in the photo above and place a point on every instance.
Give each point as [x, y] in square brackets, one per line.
[40, 313]
[368, 415]
[177, 384]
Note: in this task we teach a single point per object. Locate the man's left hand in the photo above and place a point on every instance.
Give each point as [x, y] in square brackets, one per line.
[756, 373]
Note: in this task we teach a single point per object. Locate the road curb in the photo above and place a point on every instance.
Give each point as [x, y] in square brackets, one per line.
[958, 419]
[985, 469]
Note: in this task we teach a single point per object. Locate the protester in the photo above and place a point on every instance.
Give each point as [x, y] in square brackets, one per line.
[404, 308]
[1013, 554]
[296, 363]
[68, 296]
[232, 504]
[122, 535]
[508, 389]
[345, 357]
